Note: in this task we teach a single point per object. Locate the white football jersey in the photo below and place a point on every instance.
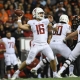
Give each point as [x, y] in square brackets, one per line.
[63, 29]
[78, 33]
[9, 44]
[40, 30]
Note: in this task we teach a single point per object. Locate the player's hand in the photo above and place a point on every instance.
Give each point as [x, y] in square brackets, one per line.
[19, 17]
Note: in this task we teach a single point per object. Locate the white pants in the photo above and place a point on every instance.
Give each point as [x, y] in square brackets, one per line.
[75, 52]
[45, 49]
[10, 59]
[60, 48]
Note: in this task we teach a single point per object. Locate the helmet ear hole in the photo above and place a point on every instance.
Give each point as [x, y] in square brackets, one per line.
[64, 18]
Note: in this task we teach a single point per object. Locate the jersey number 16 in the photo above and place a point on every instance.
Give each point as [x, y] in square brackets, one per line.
[40, 29]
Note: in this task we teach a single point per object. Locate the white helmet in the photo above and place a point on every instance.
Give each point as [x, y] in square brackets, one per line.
[64, 18]
[36, 12]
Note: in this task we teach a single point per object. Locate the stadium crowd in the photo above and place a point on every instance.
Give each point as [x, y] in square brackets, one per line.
[8, 24]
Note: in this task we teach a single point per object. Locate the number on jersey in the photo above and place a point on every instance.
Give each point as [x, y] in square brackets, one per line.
[40, 29]
[59, 31]
[11, 44]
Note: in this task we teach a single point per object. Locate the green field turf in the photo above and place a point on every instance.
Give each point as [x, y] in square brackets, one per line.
[78, 78]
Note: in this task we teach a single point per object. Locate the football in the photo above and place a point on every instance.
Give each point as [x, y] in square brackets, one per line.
[19, 12]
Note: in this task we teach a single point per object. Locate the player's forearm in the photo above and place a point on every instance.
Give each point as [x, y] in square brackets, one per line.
[20, 25]
[23, 27]
[71, 35]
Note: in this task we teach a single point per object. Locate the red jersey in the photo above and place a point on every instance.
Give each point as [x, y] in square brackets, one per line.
[2, 46]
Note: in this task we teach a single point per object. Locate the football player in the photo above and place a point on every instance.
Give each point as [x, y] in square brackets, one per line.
[75, 52]
[39, 27]
[10, 56]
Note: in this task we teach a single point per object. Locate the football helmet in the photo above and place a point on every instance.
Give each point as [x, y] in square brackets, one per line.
[64, 18]
[36, 12]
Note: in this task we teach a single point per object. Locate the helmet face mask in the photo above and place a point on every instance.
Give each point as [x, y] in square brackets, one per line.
[38, 13]
[64, 18]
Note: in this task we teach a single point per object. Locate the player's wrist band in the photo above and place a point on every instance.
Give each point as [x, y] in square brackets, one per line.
[19, 21]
